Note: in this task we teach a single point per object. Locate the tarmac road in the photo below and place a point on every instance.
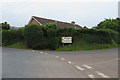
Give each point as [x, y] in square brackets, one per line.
[19, 63]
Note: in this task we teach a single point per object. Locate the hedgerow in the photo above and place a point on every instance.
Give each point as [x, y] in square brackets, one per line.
[49, 36]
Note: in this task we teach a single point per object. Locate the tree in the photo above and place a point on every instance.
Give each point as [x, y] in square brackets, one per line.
[110, 24]
[5, 26]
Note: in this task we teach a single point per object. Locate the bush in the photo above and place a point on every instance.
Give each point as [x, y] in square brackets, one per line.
[33, 35]
[50, 25]
[66, 31]
[119, 38]
[20, 35]
[0, 38]
[11, 36]
[97, 35]
[49, 36]
[53, 41]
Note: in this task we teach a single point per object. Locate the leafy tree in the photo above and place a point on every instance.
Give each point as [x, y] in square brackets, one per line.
[5, 26]
[109, 24]
[113, 24]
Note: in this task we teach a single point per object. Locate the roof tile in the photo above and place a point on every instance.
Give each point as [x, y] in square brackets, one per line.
[59, 23]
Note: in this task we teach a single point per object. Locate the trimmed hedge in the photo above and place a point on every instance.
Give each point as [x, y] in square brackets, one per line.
[33, 35]
[49, 36]
[98, 35]
[11, 36]
[0, 38]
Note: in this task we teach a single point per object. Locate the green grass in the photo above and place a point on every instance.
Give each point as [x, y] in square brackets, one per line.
[19, 45]
[82, 45]
[77, 46]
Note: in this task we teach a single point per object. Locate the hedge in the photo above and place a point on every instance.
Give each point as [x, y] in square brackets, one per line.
[11, 36]
[49, 36]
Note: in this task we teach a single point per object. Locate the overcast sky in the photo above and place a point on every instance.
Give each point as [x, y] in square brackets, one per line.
[83, 13]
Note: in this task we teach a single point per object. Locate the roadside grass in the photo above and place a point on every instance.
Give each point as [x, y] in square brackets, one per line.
[77, 46]
[82, 45]
[19, 45]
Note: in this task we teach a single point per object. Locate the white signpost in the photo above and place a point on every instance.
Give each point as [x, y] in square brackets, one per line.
[66, 40]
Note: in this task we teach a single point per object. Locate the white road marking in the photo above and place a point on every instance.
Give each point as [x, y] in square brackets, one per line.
[62, 59]
[69, 62]
[41, 52]
[87, 66]
[46, 53]
[101, 74]
[91, 76]
[33, 50]
[79, 68]
[57, 56]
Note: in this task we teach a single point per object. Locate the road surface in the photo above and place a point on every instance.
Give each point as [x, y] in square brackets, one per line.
[19, 63]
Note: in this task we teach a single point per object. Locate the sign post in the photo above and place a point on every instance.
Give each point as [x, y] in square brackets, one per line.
[66, 40]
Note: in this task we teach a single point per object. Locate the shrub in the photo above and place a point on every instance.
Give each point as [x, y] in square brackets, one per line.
[97, 35]
[53, 41]
[9, 36]
[119, 38]
[33, 35]
[0, 38]
[50, 25]
[49, 36]
[66, 31]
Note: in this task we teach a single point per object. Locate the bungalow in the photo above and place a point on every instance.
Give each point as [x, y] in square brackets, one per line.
[43, 21]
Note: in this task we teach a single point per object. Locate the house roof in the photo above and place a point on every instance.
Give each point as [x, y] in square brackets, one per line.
[59, 23]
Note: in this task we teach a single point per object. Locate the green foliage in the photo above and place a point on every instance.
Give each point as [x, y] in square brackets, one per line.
[19, 45]
[50, 25]
[5, 26]
[51, 32]
[65, 31]
[109, 24]
[41, 37]
[97, 35]
[49, 37]
[0, 38]
[119, 38]
[33, 35]
[53, 40]
[11, 36]
[82, 45]
[113, 24]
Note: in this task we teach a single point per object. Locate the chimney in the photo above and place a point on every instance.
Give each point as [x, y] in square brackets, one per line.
[73, 22]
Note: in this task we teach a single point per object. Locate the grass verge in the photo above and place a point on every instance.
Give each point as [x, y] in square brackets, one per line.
[77, 46]
[19, 45]
[82, 45]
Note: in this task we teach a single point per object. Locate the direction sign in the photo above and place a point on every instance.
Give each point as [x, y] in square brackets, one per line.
[66, 39]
